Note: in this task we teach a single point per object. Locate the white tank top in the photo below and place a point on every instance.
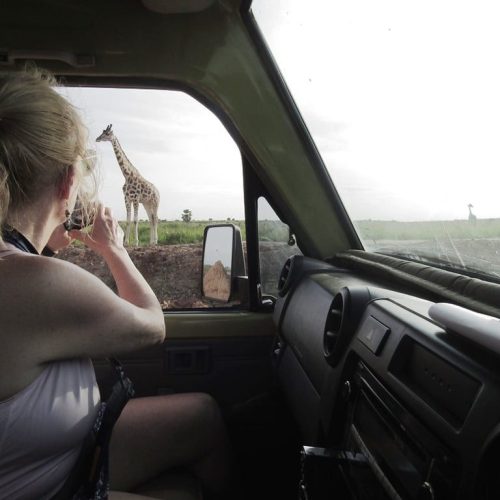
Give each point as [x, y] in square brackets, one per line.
[43, 426]
[42, 429]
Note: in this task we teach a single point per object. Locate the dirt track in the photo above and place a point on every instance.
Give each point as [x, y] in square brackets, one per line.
[173, 271]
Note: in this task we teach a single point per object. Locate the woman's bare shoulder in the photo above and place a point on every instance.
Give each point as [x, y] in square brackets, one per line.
[40, 293]
[28, 272]
[52, 309]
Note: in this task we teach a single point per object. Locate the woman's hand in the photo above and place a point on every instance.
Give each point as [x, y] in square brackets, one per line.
[106, 235]
[106, 238]
[59, 239]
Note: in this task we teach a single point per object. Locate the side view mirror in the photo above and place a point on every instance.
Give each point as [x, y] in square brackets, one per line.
[223, 270]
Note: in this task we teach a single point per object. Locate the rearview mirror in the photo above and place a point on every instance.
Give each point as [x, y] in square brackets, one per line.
[223, 262]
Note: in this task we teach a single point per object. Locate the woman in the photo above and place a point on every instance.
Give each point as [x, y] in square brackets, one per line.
[55, 316]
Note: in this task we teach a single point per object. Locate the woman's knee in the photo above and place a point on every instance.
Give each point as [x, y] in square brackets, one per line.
[207, 415]
[207, 406]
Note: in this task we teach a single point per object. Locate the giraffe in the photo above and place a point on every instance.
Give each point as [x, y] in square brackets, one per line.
[472, 217]
[135, 190]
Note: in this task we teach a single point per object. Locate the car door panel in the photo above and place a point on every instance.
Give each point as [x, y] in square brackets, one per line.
[226, 354]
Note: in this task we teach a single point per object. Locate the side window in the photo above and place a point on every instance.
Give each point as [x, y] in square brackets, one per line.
[276, 244]
[167, 161]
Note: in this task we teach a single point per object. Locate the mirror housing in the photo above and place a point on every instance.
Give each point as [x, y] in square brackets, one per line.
[223, 276]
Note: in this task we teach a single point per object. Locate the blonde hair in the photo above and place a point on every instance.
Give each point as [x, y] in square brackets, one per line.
[41, 136]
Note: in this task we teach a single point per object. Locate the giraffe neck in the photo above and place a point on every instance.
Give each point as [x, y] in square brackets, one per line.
[125, 165]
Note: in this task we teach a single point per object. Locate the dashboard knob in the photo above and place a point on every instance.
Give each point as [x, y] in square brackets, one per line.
[426, 491]
[346, 391]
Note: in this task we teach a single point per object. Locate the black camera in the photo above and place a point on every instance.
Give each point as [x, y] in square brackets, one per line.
[79, 218]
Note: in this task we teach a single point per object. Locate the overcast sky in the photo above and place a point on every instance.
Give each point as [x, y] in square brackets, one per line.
[174, 142]
[402, 99]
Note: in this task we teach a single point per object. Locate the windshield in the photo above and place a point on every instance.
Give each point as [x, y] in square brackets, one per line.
[402, 100]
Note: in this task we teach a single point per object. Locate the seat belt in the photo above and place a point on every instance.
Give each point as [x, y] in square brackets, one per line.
[89, 478]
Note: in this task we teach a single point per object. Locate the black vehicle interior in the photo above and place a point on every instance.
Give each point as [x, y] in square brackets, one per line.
[343, 386]
[397, 405]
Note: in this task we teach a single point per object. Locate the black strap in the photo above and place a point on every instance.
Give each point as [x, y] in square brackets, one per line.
[14, 237]
[121, 392]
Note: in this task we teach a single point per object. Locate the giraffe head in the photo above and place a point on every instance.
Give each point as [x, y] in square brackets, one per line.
[107, 134]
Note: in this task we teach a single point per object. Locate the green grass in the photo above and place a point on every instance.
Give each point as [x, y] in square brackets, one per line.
[178, 232]
[428, 230]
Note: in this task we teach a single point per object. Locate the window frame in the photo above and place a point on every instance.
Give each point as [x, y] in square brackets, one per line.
[172, 85]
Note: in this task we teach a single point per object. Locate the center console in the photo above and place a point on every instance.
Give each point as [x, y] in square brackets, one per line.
[385, 452]
[417, 416]
[403, 459]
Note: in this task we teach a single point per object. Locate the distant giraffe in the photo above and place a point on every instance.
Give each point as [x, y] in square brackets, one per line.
[472, 217]
[136, 190]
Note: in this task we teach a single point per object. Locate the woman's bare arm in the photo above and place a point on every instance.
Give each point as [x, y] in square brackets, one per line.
[106, 239]
[68, 312]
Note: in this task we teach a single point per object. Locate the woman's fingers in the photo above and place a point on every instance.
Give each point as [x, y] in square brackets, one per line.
[120, 234]
[59, 239]
[78, 235]
[106, 232]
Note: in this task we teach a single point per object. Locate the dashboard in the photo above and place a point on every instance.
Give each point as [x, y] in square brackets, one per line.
[390, 403]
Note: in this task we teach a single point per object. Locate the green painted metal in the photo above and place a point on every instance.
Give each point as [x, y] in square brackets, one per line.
[213, 325]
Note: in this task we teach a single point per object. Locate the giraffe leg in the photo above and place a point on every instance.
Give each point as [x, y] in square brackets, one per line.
[127, 229]
[136, 223]
[153, 224]
[155, 228]
[155, 202]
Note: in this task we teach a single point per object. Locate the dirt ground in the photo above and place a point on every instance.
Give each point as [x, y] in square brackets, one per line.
[173, 271]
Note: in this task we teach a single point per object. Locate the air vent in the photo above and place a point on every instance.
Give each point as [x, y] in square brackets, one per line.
[285, 280]
[333, 328]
